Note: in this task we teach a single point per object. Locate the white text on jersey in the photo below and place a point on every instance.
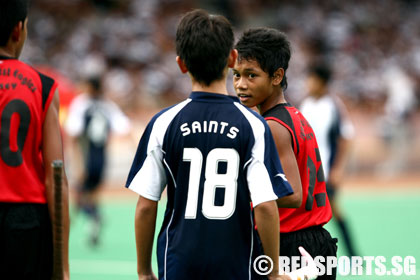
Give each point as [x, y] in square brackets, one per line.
[209, 127]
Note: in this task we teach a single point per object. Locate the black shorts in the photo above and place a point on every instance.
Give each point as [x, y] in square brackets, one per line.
[95, 167]
[316, 240]
[26, 250]
[92, 181]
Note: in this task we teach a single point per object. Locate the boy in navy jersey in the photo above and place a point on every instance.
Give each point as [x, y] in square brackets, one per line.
[92, 120]
[334, 131]
[215, 157]
[259, 80]
[30, 141]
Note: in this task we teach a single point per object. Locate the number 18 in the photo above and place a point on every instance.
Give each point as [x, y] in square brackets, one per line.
[213, 180]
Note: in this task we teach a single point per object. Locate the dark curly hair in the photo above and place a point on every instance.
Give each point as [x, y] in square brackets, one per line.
[269, 47]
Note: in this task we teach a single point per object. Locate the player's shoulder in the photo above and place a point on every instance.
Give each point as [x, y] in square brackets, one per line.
[24, 69]
[44, 77]
[108, 105]
[32, 69]
[19, 64]
[252, 120]
[80, 100]
[296, 114]
[169, 112]
[339, 104]
[290, 108]
[248, 113]
[282, 112]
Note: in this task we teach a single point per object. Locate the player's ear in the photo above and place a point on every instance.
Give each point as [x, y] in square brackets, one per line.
[181, 65]
[17, 31]
[232, 58]
[278, 77]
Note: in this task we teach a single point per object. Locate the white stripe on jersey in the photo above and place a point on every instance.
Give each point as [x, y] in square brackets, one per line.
[252, 242]
[259, 182]
[167, 242]
[246, 163]
[258, 129]
[161, 125]
[151, 180]
[170, 172]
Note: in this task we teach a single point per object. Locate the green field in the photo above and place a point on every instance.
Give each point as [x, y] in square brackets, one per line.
[383, 224]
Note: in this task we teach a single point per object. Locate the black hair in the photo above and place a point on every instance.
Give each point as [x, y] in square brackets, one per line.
[95, 83]
[11, 13]
[322, 71]
[204, 43]
[269, 47]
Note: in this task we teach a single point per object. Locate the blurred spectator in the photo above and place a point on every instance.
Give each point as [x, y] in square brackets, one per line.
[394, 125]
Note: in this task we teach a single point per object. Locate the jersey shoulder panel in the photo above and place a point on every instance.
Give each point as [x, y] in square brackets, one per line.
[48, 88]
[153, 136]
[257, 123]
[264, 152]
[47, 85]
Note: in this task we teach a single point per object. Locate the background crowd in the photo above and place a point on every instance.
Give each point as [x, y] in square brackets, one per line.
[373, 46]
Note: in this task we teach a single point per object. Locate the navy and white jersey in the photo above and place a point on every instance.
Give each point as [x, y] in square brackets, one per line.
[330, 122]
[215, 156]
[92, 121]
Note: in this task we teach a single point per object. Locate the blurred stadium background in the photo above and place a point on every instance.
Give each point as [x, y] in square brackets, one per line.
[373, 45]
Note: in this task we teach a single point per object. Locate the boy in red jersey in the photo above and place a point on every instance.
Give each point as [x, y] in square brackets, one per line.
[259, 80]
[29, 141]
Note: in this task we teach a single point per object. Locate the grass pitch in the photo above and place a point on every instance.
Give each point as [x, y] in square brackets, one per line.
[383, 224]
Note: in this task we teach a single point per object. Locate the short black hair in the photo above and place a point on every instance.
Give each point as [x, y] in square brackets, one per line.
[204, 42]
[95, 83]
[322, 71]
[11, 13]
[269, 47]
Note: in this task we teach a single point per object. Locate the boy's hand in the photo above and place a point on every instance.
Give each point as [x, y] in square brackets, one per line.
[279, 277]
[308, 272]
[148, 277]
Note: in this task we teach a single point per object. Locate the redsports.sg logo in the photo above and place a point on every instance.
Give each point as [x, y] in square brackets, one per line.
[344, 266]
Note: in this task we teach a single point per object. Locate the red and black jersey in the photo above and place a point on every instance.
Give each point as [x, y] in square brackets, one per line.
[25, 96]
[315, 209]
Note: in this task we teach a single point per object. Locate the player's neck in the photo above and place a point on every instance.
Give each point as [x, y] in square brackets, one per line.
[319, 95]
[273, 100]
[7, 51]
[215, 87]
[281, 99]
